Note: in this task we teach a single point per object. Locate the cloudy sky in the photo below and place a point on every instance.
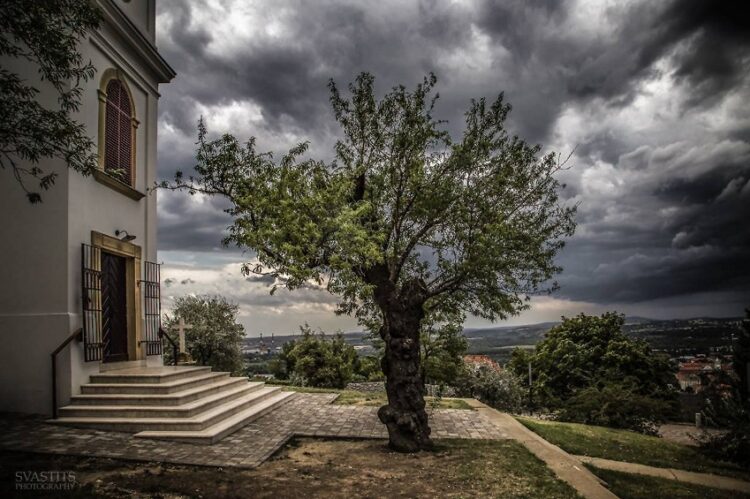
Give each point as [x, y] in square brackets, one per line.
[652, 97]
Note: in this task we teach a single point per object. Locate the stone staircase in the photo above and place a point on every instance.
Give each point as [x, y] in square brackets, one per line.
[188, 404]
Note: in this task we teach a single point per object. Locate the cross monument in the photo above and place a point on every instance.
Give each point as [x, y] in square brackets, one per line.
[181, 327]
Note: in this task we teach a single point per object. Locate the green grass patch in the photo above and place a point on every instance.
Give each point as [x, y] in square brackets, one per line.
[631, 486]
[499, 468]
[629, 446]
[375, 399]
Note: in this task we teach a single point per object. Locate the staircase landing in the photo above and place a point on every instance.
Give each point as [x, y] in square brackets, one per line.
[187, 404]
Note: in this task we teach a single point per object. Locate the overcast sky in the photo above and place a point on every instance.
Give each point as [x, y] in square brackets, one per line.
[652, 97]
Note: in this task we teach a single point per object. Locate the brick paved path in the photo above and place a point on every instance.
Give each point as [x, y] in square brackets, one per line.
[307, 414]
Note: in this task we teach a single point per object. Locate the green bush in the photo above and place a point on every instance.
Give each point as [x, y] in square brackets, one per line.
[502, 390]
[316, 360]
[368, 369]
[615, 405]
[587, 370]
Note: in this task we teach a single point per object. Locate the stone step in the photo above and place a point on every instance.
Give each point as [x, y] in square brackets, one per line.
[216, 432]
[170, 399]
[155, 411]
[170, 386]
[196, 423]
[159, 375]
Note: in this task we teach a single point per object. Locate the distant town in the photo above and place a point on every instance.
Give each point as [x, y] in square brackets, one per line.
[700, 346]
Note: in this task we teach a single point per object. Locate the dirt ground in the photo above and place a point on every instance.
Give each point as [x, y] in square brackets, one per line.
[310, 468]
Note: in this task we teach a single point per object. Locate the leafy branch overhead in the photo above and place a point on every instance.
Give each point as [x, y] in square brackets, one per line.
[472, 224]
[44, 35]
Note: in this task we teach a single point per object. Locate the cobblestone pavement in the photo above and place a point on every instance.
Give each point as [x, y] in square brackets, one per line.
[307, 414]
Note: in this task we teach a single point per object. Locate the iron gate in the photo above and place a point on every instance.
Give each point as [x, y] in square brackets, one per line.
[151, 290]
[91, 284]
[91, 280]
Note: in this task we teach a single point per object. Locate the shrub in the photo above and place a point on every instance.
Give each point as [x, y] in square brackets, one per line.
[616, 406]
[502, 390]
[589, 371]
[316, 360]
[368, 368]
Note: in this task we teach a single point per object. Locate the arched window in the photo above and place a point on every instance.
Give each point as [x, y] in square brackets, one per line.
[118, 132]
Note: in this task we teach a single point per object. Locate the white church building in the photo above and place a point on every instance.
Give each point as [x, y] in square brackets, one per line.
[81, 265]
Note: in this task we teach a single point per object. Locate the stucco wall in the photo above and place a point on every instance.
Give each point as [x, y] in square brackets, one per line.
[40, 304]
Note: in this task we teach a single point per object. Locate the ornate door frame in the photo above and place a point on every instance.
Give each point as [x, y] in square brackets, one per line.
[132, 253]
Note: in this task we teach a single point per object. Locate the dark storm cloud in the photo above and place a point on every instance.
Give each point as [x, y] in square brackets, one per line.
[666, 230]
[698, 245]
[715, 58]
[186, 225]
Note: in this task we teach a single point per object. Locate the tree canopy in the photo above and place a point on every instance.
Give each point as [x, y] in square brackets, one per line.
[591, 371]
[215, 336]
[45, 34]
[405, 223]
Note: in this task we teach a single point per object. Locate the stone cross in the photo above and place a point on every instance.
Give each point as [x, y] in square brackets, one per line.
[181, 327]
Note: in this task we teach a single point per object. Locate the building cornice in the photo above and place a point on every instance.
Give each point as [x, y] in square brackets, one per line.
[113, 16]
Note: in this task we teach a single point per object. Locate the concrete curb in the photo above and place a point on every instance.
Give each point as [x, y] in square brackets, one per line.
[705, 479]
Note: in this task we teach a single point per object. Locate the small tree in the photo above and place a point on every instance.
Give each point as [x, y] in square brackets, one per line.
[215, 338]
[405, 223]
[45, 34]
[590, 371]
[320, 361]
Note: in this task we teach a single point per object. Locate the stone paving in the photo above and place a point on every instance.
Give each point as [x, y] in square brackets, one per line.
[306, 414]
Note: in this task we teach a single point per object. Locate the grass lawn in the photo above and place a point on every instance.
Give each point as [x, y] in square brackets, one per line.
[315, 468]
[375, 399]
[629, 486]
[629, 446]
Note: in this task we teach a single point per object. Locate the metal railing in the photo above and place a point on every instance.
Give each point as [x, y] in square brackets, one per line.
[75, 334]
[163, 334]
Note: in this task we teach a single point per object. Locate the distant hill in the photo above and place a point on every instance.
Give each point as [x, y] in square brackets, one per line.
[674, 336]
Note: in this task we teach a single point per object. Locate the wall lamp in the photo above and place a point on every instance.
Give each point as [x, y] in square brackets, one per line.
[126, 237]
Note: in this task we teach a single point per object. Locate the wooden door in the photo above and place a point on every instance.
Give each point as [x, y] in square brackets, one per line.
[114, 308]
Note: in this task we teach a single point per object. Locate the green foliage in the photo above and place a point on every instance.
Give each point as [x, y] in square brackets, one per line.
[277, 367]
[45, 34]
[615, 405]
[472, 225]
[442, 349]
[734, 444]
[502, 390]
[590, 371]
[215, 336]
[369, 368]
[732, 412]
[318, 361]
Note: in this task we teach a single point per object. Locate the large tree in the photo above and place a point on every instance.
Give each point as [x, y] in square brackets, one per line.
[44, 34]
[404, 223]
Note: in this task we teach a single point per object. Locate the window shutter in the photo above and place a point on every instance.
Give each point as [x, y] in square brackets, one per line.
[118, 132]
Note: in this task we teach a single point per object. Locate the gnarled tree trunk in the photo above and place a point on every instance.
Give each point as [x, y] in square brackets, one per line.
[405, 415]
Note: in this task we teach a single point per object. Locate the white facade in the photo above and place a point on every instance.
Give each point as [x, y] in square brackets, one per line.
[40, 302]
